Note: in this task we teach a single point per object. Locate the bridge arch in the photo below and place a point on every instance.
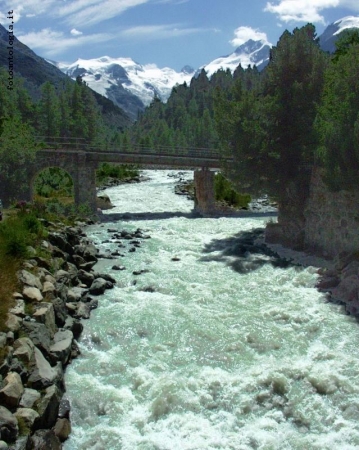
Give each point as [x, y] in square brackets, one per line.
[81, 171]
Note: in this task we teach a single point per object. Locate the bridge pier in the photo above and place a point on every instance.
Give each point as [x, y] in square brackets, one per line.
[85, 185]
[204, 192]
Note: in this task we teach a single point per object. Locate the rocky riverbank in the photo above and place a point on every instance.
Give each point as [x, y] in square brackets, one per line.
[57, 291]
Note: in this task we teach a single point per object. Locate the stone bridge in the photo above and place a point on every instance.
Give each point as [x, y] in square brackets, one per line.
[82, 163]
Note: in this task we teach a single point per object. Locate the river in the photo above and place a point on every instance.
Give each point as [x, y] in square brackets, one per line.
[206, 349]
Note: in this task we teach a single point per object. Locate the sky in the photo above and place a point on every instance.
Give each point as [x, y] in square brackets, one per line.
[168, 33]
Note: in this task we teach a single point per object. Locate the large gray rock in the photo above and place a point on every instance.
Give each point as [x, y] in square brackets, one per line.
[8, 425]
[62, 429]
[27, 416]
[61, 348]
[29, 279]
[49, 289]
[42, 374]
[86, 277]
[99, 286]
[76, 293]
[45, 314]
[19, 308]
[29, 398]
[44, 440]
[32, 294]
[60, 311]
[39, 335]
[11, 393]
[24, 350]
[48, 407]
[3, 445]
[60, 241]
[83, 310]
[13, 322]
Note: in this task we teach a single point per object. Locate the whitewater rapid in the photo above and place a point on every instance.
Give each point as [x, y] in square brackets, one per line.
[206, 349]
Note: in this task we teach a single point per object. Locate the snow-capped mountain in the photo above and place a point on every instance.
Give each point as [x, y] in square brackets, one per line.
[130, 85]
[248, 54]
[331, 33]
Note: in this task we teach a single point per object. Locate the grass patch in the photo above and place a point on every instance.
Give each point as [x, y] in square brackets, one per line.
[17, 232]
[116, 171]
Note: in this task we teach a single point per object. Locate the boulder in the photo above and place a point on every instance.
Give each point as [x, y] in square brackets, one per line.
[39, 335]
[9, 429]
[32, 294]
[45, 314]
[83, 310]
[60, 350]
[62, 429]
[347, 290]
[48, 408]
[24, 350]
[74, 325]
[29, 398]
[27, 416]
[60, 240]
[76, 293]
[3, 445]
[19, 308]
[29, 279]
[44, 440]
[60, 311]
[62, 276]
[99, 286]
[49, 289]
[42, 374]
[86, 277]
[11, 393]
[13, 322]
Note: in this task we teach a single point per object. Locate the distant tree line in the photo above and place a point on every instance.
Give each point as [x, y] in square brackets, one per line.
[302, 109]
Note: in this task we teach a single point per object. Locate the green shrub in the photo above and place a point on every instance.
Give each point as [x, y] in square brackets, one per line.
[117, 171]
[224, 191]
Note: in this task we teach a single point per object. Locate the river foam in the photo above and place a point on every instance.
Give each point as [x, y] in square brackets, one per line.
[209, 357]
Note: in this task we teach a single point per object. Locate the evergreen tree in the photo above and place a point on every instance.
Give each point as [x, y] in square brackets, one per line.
[338, 119]
[48, 112]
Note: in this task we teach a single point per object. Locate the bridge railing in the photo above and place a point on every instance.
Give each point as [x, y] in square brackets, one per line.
[81, 144]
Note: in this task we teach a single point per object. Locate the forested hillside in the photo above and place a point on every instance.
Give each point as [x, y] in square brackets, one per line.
[302, 109]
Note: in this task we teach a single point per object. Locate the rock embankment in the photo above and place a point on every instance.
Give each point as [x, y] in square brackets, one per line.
[57, 291]
[341, 284]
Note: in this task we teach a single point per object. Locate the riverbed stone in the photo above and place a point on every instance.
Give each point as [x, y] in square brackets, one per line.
[11, 393]
[60, 350]
[99, 286]
[83, 311]
[39, 335]
[13, 322]
[26, 415]
[48, 407]
[45, 314]
[44, 440]
[29, 398]
[42, 374]
[29, 279]
[62, 429]
[19, 308]
[24, 350]
[32, 294]
[9, 429]
[60, 311]
[3, 445]
[86, 277]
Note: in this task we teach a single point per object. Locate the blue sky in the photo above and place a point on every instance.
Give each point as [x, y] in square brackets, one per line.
[170, 33]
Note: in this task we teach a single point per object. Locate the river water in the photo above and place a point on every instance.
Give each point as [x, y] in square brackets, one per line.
[210, 351]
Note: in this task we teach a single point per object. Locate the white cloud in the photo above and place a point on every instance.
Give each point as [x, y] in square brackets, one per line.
[302, 10]
[89, 12]
[243, 34]
[54, 42]
[159, 31]
[75, 32]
